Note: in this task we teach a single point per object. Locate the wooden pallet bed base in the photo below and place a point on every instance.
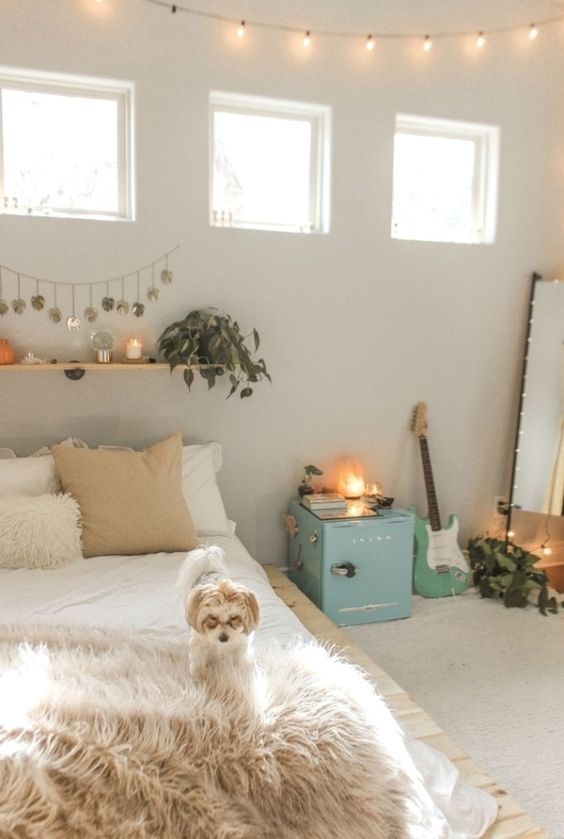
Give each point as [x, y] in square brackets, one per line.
[512, 822]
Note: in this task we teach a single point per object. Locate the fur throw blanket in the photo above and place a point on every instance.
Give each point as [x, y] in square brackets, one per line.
[102, 734]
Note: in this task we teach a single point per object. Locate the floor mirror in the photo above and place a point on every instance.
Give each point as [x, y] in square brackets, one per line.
[537, 483]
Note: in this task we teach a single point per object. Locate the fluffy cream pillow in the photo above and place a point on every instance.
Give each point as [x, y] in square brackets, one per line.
[131, 502]
[39, 532]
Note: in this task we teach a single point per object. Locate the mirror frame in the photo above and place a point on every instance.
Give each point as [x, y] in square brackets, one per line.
[535, 278]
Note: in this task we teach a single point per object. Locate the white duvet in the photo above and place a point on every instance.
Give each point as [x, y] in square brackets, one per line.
[134, 592]
[138, 592]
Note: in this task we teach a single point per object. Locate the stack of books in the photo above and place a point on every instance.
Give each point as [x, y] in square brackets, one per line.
[328, 501]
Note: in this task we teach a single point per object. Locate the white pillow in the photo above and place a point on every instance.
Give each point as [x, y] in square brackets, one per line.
[39, 532]
[28, 476]
[201, 492]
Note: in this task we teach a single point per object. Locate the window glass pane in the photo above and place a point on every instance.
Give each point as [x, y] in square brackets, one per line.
[262, 169]
[60, 152]
[433, 188]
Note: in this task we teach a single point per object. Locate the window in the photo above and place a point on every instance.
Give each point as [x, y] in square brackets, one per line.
[65, 146]
[445, 180]
[269, 164]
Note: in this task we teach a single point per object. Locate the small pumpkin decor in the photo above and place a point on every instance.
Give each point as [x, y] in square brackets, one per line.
[7, 354]
[213, 344]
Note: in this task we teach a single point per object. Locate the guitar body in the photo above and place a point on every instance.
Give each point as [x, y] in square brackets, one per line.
[440, 568]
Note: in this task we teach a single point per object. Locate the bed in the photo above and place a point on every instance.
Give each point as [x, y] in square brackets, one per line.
[90, 611]
[137, 592]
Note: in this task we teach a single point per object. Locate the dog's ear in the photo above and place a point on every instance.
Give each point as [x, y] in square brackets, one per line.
[251, 610]
[194, 603]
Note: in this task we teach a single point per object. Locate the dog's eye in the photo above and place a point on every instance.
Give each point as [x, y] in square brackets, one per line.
[211, 623]
[235, 622]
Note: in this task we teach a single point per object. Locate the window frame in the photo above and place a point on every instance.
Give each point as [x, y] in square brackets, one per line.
[486, 139]
[122, 92]
[319, 118]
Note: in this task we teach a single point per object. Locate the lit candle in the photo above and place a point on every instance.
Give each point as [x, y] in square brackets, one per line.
[134, 349]
[354, 486]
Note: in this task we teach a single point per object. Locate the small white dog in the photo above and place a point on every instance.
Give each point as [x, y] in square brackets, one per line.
[221, 614]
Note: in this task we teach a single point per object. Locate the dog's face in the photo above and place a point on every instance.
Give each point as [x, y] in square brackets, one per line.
[222, 612]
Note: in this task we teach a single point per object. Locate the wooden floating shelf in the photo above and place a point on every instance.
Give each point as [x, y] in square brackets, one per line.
[76, 370]
[83, 365]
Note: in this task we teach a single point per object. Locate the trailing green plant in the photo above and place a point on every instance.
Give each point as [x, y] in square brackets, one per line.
[506, 571]
[213, 344]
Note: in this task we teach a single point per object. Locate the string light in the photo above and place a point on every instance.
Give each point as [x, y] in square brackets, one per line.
[546, 550]
[532, 29]
[241, 30]
[510, 534]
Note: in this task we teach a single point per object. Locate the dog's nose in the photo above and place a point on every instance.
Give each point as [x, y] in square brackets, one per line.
[223, 637]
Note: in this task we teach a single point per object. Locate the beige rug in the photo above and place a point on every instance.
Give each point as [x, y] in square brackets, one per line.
[493, 678]
[102, 734]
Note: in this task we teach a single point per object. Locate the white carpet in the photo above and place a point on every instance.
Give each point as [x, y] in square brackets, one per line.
[493, 678]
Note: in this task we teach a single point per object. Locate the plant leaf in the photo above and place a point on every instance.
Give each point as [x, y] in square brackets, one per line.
[189, 377]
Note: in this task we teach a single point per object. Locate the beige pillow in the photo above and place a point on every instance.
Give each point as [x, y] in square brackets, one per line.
[131, 502]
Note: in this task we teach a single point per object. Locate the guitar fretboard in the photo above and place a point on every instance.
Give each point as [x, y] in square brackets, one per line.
[434, 515]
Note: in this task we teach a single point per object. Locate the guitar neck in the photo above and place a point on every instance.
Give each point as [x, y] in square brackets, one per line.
[434, 515]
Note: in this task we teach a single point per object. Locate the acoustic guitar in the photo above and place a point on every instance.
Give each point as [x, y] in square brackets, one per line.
[440, 568]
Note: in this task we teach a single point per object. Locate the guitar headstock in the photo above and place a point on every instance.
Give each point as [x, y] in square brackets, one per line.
[419, 421]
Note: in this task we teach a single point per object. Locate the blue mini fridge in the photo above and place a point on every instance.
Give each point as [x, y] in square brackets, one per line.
[356, 570]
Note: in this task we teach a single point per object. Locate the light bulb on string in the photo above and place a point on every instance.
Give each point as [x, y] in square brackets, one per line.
[370, 43]
[480, 40]
[510, 534]
[533, 32]
[307, 39]
[241, 30]
[427, 43]
[546, 550]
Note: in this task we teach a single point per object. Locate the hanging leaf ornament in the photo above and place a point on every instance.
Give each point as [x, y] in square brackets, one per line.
[108, 303]
[122, 305]
[138, 307]
[73, 324]
[38, 302]
[166, 277]
[19, 304]
[4, 307]
[90, 313]
[55, 314]
[153, 294]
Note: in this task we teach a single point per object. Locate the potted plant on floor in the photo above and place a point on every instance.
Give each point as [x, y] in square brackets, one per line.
[213, 344]
[506, 571]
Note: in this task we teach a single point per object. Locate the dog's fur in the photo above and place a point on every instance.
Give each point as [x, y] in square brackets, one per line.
[221, 614]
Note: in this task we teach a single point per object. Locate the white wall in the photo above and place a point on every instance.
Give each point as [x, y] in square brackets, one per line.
[356, 327]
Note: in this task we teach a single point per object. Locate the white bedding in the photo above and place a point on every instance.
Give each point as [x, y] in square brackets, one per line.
[138, 592]
[133, 592]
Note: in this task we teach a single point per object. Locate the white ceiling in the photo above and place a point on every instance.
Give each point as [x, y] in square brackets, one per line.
[393, 16]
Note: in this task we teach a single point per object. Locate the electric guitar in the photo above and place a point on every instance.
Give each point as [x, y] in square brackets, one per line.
[440, 567]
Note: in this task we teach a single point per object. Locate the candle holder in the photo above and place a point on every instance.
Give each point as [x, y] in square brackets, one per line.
[134, 350]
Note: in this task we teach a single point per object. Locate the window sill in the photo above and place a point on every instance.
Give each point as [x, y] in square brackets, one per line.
[62, 215]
